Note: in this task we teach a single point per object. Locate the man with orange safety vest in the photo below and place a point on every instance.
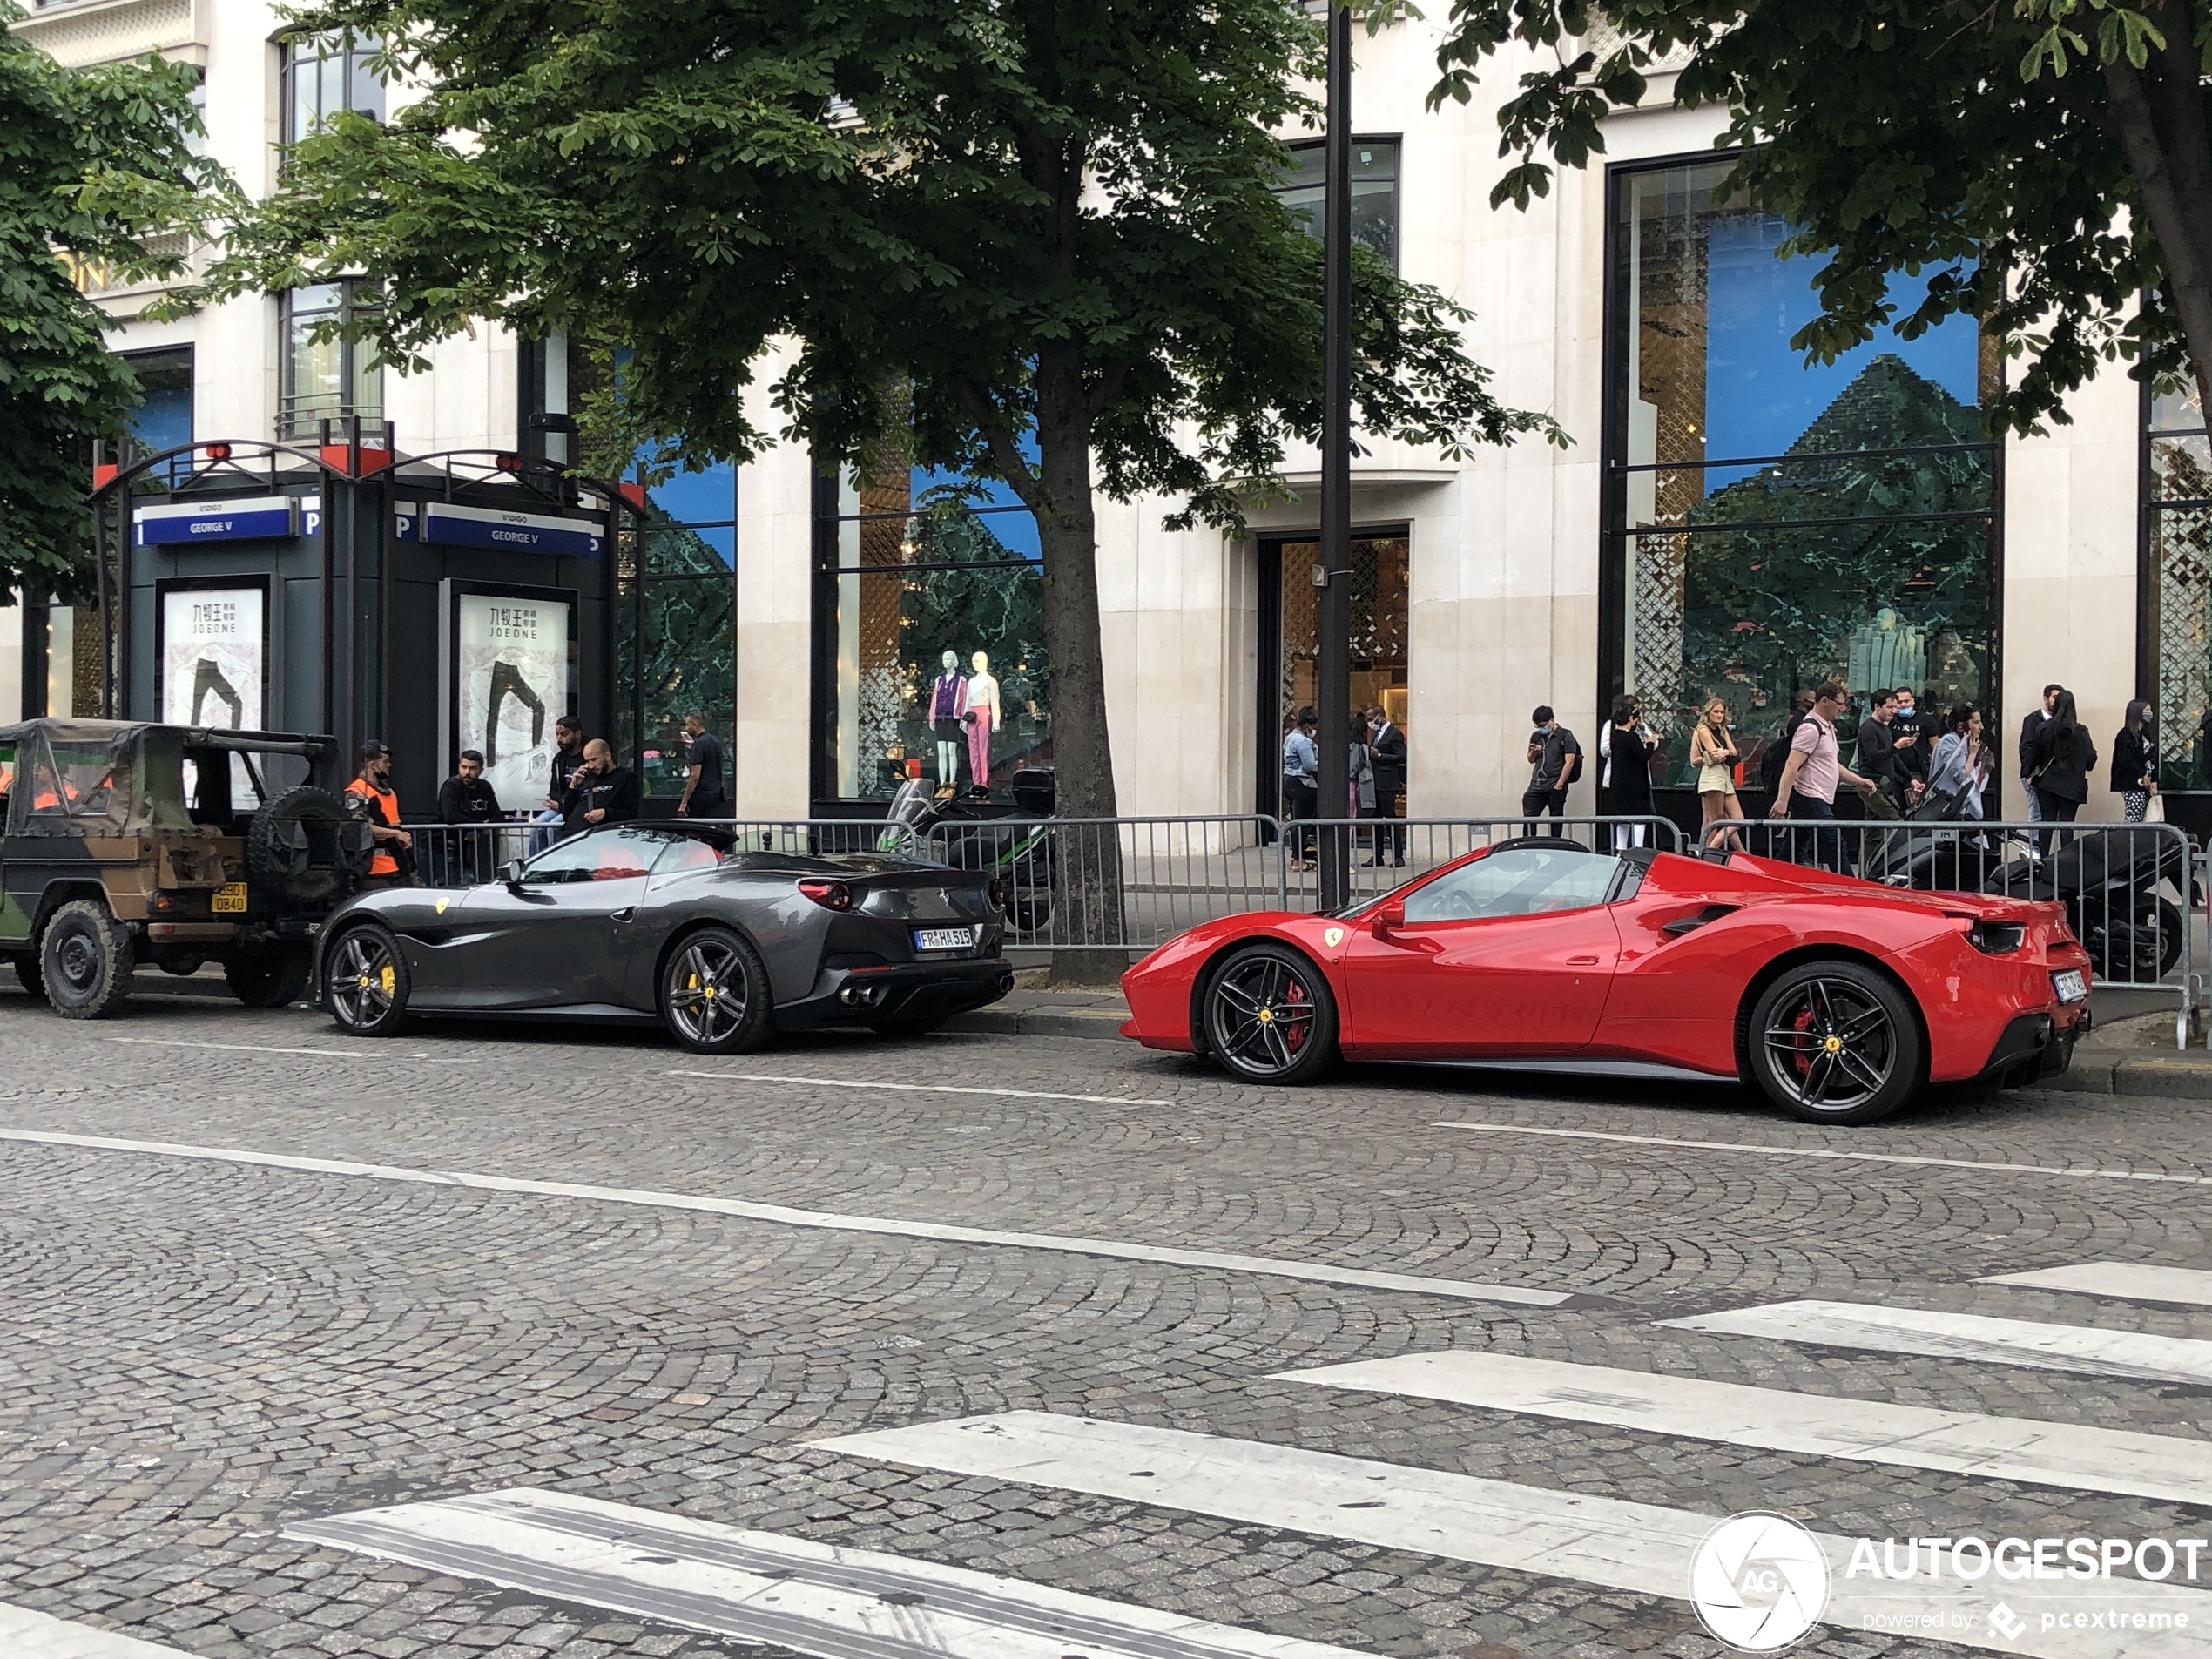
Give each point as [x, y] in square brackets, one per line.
[371, 799]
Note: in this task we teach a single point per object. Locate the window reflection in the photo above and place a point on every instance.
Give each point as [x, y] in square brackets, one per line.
[931, 567]
[1374, 191]
[1775, 524]
[2177, 521]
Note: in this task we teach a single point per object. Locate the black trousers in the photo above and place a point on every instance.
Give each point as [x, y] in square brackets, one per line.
[1388, 842]
[1534, 803]
[1299, 799]
[207, 677]
[506, 681]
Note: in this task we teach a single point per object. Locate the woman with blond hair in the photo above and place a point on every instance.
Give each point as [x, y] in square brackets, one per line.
[1713, 752]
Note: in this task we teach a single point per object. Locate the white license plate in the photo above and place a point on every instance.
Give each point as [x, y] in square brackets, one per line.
[945, 938]
[2071, 986]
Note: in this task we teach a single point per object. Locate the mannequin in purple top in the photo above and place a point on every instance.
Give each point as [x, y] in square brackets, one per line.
[947, 702]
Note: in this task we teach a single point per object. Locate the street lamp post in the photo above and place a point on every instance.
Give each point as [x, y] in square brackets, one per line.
[1333, 674]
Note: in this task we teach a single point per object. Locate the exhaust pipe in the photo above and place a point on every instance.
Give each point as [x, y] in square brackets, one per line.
[859, 996]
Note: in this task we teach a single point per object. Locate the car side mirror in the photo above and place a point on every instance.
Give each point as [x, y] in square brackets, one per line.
[1388, 914]
[511, 873]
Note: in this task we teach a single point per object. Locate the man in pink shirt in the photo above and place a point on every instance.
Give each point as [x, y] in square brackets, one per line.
[1807, 791]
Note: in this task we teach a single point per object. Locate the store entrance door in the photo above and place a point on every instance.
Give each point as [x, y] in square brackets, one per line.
[1289, 641]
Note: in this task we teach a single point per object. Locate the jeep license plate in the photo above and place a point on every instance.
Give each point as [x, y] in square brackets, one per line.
[230, 900]
[945, 938]
[2070, 986]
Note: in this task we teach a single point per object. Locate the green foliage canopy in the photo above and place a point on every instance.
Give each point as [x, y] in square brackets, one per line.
[92, 162]
[2048, 159]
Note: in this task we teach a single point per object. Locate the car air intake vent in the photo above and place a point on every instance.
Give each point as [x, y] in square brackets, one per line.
[1682, 925]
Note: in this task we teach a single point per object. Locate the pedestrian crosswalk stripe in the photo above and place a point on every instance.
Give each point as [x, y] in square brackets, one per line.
[1214, 1261]
[2126, 1281]
[820, 1599]
[1967, 1336]
[1641, 1548]
[25, 1634]
[1777, 1419]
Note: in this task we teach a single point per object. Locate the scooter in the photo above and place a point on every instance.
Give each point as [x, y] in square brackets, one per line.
[2109, 880]
[968, 831]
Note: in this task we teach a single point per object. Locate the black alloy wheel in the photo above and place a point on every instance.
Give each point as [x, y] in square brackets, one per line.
[86, 958]
[1269, 1018]
[365, 983]
[714, 994]
[1834, 1042]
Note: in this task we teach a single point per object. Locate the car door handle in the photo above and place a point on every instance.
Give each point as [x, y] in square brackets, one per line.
[1581, 962]
[626, 913]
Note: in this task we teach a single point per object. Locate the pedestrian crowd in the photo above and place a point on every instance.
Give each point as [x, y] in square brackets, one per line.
[1376, 772]
[586, 788]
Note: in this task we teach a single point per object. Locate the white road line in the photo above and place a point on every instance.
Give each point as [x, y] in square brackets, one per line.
[1967, 1336]
[1640, 1548]
[250, 1047]
[819, 1599]
[1837, 1155]
[2124, 1281]
[26, 1634]
[783, 1215]
[1866, 1430]
[918, 1088]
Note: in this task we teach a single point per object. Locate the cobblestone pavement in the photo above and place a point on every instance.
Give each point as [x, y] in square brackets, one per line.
[195, 1353]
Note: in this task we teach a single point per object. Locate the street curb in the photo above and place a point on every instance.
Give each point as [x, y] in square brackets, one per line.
[2177, 1077]
[1038, 1022]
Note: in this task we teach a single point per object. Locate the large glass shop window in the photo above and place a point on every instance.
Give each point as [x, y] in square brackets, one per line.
[941, 669]
[687, 634]
[2178, 522]
[1379, 622]
[1773, 525]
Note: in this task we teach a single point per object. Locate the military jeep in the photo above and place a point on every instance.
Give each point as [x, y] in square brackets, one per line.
[124, 844]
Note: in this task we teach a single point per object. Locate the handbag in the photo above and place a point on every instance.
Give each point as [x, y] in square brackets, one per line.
[2154, 810]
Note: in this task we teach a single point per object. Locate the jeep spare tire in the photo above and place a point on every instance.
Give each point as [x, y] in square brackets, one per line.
[299, 846]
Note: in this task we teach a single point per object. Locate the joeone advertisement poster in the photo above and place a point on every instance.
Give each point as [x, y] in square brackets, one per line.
[211, 658]
[510, 684]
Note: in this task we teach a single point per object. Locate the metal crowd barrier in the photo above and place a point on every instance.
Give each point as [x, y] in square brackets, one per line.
[2127, 887]
[462, 855]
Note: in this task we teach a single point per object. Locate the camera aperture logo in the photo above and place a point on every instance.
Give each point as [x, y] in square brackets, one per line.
[1759, 1582]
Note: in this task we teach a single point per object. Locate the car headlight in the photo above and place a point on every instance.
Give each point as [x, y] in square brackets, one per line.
[1997, 937]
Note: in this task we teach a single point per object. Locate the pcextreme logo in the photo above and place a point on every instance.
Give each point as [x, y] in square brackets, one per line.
[1759, 1582]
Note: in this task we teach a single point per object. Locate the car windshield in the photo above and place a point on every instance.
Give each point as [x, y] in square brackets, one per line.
[620, 851]
[1516, 881]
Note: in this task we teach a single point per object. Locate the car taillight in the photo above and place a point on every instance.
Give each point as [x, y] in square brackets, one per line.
[1997, 937]
[998, 892]
[830, 895]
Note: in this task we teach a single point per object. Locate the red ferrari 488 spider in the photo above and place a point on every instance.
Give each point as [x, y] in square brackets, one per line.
[1839, 999]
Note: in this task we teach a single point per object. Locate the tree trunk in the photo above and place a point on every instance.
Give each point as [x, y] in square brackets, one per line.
[2158, 116]
[1087, 885]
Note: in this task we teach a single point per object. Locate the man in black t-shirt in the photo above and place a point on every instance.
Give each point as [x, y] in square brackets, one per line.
[466, 798]
[704, 795]
[603, 792]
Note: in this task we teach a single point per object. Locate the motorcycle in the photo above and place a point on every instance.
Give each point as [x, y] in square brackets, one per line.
[968, 831]
[2108, 880]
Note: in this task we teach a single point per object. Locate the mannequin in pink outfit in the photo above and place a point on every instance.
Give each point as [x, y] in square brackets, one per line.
[983, 716]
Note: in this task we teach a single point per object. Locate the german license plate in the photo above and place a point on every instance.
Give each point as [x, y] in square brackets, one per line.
[2070, 985]
[945, 938]
[230, 900]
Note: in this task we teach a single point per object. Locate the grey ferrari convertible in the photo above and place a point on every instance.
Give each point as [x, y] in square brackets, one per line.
[639, 922]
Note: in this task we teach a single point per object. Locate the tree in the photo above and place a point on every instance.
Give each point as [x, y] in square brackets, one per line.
[2049, 158]
[983, 222]
[92, 161]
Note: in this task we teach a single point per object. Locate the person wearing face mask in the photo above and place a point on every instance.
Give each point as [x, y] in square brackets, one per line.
[2134, 763]
[1554, 758]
